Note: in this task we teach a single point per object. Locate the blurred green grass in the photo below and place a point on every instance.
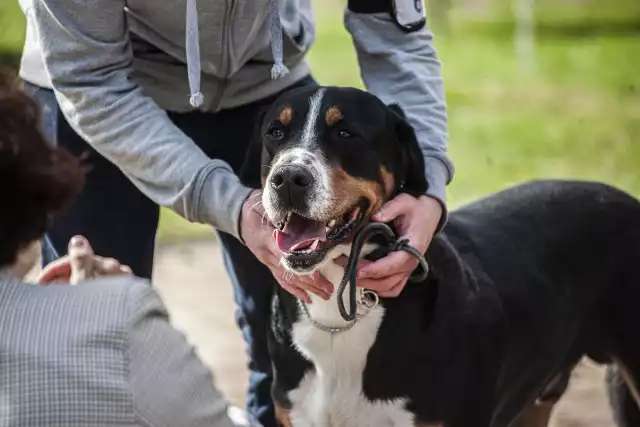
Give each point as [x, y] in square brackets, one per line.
[576, 114]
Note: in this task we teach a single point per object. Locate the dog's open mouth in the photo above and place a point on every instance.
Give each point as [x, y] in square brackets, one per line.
[298, 235]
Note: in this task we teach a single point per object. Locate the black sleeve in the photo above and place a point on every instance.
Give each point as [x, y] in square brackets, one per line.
[409, 15]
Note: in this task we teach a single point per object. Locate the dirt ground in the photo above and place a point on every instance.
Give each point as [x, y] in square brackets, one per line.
[195, 288]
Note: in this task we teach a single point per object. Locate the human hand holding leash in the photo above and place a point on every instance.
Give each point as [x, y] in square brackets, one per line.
[257, 233]
[415, 219]
[80, 264]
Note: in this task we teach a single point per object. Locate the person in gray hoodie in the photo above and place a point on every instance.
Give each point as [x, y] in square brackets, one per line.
[162, 96]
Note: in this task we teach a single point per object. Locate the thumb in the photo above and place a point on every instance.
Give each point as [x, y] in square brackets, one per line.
[59, 269]
[392, 209]
[79, 246]
[81, 258]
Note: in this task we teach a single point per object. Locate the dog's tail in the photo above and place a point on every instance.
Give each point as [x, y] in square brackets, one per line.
[626, 411]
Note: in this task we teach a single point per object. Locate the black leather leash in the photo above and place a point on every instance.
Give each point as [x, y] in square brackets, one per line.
[360, 239]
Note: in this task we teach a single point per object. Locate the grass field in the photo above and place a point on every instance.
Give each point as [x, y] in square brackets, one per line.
[576, 114]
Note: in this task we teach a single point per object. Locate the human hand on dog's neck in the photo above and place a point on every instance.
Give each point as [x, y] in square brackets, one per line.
[415, 219]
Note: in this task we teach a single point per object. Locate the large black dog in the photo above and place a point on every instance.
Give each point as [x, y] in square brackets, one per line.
[522, 283]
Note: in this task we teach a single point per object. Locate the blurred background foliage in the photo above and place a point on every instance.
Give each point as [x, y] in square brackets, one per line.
[535, 88]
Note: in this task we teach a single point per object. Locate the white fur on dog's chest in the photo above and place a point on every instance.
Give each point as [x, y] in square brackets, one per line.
[332, 395]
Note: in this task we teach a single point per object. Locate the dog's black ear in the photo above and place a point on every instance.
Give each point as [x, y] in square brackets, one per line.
[250, 173]
[411, 174]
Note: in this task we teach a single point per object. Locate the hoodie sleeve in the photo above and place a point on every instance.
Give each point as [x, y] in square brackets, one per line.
[88, 56]
[399, 64]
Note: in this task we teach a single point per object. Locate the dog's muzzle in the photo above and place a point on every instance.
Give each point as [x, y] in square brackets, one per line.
[291, 184]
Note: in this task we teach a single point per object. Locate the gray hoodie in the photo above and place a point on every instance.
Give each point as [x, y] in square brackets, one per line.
[116, 66]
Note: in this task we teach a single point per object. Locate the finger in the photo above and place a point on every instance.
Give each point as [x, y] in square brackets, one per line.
[110, 267]
[322, 282]
[270, 259]
[395, 289]
[314, 281]
[394, 208]
[267, 259]
[282, 279]
[296, 292]
[78, 241]
[395, 262]
[381, 286]
[83, 264]
[58, 270]
[311, 286]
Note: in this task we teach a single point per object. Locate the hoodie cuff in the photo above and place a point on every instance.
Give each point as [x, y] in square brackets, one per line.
[438, 177]
[221, 198]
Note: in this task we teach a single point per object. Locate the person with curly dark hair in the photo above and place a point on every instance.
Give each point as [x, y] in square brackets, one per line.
[99, 353]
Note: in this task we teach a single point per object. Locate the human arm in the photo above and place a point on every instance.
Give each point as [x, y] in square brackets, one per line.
[399, 64]
[87, 53]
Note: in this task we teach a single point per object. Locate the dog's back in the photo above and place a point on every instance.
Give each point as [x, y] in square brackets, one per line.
[575, 241]
[563, 258]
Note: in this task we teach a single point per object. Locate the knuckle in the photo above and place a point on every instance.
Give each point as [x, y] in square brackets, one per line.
[368, 284]
[404, 198]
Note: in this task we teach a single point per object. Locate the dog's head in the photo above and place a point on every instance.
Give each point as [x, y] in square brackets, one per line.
[330, 157]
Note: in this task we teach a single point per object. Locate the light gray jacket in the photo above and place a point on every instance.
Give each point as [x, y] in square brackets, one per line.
[117, 65]
[101, 353]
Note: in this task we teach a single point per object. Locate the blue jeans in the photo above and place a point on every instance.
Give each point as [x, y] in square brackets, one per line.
[121, 222]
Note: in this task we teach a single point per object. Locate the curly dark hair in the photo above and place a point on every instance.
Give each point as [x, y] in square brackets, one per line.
[37, 181]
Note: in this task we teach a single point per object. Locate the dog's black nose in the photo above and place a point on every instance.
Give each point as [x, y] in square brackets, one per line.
[291, 184]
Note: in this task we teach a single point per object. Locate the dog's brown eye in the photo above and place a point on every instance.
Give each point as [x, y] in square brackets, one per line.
[345, 134]
[275, 133]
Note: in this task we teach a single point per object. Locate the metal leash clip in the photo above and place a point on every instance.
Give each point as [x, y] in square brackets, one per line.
[368, 299]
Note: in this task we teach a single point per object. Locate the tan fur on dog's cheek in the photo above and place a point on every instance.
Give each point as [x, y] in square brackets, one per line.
[389, 181]
[348, 190]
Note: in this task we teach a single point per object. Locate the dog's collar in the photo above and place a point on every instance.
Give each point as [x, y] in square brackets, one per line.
[367, 299]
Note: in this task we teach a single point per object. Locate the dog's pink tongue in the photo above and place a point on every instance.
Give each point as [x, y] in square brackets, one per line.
[300, 233]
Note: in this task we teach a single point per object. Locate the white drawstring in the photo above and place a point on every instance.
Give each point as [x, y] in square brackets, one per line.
[279, 69]
[193, 54]
[193, 49]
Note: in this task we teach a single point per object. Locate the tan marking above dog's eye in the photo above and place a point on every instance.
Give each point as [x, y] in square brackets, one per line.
[286, 115]
[333, 116]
